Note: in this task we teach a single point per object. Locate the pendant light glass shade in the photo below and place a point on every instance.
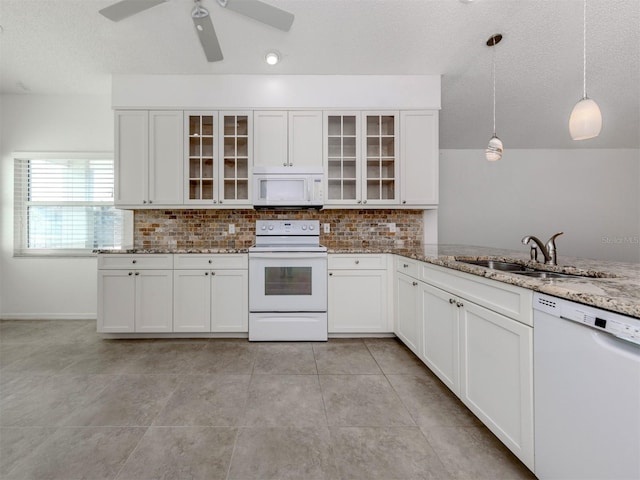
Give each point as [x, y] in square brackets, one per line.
[494, 149]
[586, 120]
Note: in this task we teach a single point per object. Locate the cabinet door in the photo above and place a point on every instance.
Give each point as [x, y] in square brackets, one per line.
[408, 316]
[270, 138]
[236, 145]
[342, 157]
[200, 157]
[305, 138]
[230, 301]
[420, 158]
[154, 300]
[191, 301]
[116, 301]
[440, 335]
[131, 157]
[497, 376]
[380, 166]
[358, 301]
[165, 157]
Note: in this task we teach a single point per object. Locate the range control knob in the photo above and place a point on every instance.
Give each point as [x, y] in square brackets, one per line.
[304, 227]
[311, 227]
[270, 227]
[264, 227]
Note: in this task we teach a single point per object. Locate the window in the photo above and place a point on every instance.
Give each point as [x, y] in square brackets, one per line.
[64, 205]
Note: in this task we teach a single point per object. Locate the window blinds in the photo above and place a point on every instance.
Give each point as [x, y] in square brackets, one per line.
[65, 205]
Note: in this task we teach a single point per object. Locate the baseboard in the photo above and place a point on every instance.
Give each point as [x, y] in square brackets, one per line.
[48, 316]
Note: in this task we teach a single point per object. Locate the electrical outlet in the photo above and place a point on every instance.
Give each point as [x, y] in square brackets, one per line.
[327, 227]
[392, 227]
[232, 229]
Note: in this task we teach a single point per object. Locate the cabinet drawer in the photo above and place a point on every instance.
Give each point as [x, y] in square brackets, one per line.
[408, 267]
[151, 261]
[357, 262]
[203, 261]
[514, 302]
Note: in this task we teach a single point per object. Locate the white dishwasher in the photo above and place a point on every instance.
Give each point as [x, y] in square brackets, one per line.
[586, 392]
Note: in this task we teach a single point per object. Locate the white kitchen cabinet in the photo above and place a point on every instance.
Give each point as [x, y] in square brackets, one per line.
[408, 325]
[342, 161]
[148, 166]
[358, 294]
[481, 349]
[381, 165]
[419, 156]
[135, 293]
[217, 158]
[287, 138]
[211, 293]
[497, 376]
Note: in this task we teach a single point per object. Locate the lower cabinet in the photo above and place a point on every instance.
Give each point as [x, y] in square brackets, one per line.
[210, 301]
[358, 299]
[484, 357]
[135, 301]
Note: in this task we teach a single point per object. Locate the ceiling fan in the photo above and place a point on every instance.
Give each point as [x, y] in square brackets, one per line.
[255, 9]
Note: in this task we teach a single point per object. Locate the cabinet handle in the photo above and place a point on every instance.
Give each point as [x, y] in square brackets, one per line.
[134, 261]
[137, 273]
[459, 304]
[357, 262]
[415, 284]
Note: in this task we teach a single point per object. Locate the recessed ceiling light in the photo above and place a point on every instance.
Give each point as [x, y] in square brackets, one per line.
[272, 58]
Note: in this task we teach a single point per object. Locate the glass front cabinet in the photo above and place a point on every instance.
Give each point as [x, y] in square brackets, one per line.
[218, 158]
[361, 158]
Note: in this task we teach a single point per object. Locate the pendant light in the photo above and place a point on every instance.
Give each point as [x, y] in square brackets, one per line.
[494, 149]
[586, 120]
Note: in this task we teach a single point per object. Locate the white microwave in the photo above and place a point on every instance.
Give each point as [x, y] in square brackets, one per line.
[288, 187]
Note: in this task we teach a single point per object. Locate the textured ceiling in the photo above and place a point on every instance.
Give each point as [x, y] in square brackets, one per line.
[65, 46]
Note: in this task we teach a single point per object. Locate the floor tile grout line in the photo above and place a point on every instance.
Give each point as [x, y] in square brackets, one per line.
[131, 453]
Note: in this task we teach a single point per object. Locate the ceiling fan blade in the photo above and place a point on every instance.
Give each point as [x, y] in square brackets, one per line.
[208, 39]
[262, 12]
[126, 8]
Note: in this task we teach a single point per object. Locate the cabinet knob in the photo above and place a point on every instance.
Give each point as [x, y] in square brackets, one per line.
[130, 273]
[150, 201]
[220, 201]
[364, 201]
[213, 273]
[404, 201]
[405, 265]
[206, 274]
[459, 304]
[284, 164]
[415, 284]
[452, 300]
[357, 262]
[210, 261]
[331, 274]
[144, 201]
[134, 261]
[215, 201]
[137, 273]
[359, 201]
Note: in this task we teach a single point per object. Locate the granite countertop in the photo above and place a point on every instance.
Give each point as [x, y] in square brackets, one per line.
[609, 285]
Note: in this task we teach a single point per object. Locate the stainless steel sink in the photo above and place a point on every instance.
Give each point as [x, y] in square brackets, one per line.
[497, 265]
[544, 274]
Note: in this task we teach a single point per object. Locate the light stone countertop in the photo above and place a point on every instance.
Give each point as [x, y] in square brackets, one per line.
[611, 286]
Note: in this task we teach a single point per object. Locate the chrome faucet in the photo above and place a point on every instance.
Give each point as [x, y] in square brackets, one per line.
[549, 250]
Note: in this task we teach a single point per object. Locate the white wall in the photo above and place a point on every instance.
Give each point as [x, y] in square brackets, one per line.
[47, 287]
[592, 195]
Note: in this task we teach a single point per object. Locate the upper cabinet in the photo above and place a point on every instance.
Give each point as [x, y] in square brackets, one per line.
[217, 159]
[148, 153]
[380, 166]
[420, 157]
[287, 138]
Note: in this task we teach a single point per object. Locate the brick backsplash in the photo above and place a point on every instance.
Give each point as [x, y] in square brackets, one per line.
[202, 228]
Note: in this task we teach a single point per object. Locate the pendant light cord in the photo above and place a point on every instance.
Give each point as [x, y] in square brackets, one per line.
[584, 50]
[493, 74]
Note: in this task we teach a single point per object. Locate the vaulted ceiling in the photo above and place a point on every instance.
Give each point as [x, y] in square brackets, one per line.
[67, 47]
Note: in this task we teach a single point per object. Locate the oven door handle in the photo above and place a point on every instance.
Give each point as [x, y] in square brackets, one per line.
[287, 255]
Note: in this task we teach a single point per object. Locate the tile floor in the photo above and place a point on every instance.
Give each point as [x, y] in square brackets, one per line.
[75, 406]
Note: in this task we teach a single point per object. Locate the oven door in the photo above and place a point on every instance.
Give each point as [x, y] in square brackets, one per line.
[287, 282]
